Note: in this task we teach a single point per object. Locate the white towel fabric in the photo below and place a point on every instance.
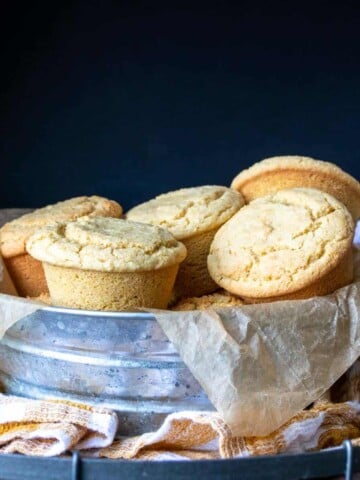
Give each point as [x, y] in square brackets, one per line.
[52, 427]
[45, 428]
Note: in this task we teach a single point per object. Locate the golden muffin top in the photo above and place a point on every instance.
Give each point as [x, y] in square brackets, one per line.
[14, 234]
[280, 243]
[106, 244]
[292, 171]
[189, 211]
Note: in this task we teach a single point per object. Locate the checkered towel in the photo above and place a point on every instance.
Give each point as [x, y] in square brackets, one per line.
[47, 428]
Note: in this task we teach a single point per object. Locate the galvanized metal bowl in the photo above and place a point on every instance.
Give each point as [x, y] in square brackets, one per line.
[120, 360]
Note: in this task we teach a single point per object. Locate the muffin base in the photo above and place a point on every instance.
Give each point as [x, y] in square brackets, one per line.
[27, 274]
[341, 275]
[193, 279]
[6, 284]
[116, 291]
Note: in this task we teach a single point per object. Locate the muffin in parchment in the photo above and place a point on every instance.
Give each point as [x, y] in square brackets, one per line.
[27, 272]
[104, 263]
[295, 243]
[220, 298]
[193, 215]
[278, 173]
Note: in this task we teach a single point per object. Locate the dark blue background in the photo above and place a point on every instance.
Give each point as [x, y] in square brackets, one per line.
[130, 99]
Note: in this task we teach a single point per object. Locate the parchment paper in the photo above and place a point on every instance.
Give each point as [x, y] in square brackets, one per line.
[262, 364]
[13, 309]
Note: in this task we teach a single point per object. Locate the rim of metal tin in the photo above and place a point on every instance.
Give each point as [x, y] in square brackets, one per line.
[99, 313]
[28, 347]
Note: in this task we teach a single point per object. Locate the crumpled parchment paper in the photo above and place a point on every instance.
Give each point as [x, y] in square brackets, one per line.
[261, 364]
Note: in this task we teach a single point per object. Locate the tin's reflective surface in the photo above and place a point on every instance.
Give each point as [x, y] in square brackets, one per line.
[119, 360]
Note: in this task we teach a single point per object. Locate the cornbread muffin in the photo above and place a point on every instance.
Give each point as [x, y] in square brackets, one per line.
[193, 216]
[104, 263]
[221, 298]
[6, 284]
[295, 243]
[279, 173]
[27, 272]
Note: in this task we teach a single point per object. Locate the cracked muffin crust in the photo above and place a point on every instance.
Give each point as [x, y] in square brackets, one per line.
[290, 171]
[106, 244]
[26, 272]
[282, 244]
[14, 234]
[192, 215]
[189, 211]
[104, 263]
[217, 299]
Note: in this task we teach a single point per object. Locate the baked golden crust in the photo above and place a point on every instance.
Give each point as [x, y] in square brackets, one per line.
[14, 234]
[281, 243]
[27, 274]
[193, 278]
[6, 283]
[189, 211]
[106, 244]
[116, 291]
[278, 173]
[217, 299]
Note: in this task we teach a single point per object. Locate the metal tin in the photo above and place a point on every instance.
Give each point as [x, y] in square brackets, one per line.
[119, 360]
